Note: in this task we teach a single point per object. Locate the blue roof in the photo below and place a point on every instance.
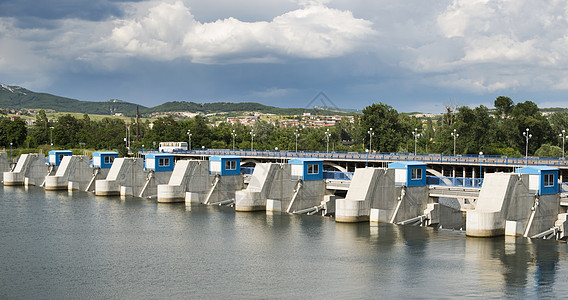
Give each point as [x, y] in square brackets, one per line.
[220, 157]
[301, 161]
[534, 170]
[405, 164]
[59, 151]
[99, 153]
[150, 155]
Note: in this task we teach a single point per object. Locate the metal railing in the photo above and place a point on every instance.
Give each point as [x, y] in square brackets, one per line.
[464, 159]
[454, 181]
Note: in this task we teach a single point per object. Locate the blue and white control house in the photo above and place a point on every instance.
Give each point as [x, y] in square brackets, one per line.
[159, 162]
[104, 159]
[409, 173]
[542, 179]
[307, 168]
[225, 165]
[56, 156]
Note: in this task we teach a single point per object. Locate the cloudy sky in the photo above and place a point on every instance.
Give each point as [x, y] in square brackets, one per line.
[415, 55]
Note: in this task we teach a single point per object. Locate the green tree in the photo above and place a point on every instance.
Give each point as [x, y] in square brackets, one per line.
[387, 126]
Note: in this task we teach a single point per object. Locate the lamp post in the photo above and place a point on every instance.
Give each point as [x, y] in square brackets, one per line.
[10, 152]
[527, 136]
[143, 148]
[563, 136]
[234, 135]
[252, 134]
[327, 135]
[455, 135]
[415, 134]
[367, 160]
[189, 134]
[296, 134]
[275, 153]
[480, 155]
[51, 136]
[371, 133]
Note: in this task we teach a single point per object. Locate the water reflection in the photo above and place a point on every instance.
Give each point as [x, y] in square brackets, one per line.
[60, 244]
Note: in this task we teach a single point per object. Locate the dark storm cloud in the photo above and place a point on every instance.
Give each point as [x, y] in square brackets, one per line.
[40, 13]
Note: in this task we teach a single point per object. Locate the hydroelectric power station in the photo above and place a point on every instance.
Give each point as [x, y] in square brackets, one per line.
[494, 196]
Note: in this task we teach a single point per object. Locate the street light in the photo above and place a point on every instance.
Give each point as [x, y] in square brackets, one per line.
[275, 155]
[480, 155]
[296, 134]
[189, 134]
[563, 136]
[234, 135]
[527, 136]
[10, 152]
[252, 134]
[327, 135]
[455, 135]
[415, 134]
[371, 133]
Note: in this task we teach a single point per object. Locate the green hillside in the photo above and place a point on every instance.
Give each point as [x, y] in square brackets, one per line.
[14, 97]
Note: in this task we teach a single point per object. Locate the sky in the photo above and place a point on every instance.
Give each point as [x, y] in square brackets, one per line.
[414, 55]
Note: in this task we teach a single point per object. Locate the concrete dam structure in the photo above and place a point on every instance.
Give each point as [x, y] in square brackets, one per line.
[391, 195]
[189, 176]
[30, 170]
[73, 173]
[4, 165]
[297, 187]
[525, 203]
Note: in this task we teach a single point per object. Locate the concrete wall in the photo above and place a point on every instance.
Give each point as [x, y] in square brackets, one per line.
[4, 165]
[225, 188]
[268, 181]
[506, 205]
[189, 176]
[153, 180]
[374, 189]
[362, 190]
[126, 177]
[73, 173]
[30, 170]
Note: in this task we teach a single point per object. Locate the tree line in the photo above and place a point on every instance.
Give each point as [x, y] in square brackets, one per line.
[380, 128]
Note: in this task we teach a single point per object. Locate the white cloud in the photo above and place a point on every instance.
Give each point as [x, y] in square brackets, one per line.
[169, 30]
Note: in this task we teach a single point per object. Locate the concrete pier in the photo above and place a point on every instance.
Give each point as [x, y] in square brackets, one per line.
[4, 165]
[512, 204]
[188, 176]
[73, 173]
[126, 177]
[268, 181]
[30, 170]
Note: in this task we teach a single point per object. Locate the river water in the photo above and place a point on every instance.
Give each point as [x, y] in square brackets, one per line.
[75, 245]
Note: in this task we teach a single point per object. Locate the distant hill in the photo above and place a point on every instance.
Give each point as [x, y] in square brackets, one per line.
[16, 97]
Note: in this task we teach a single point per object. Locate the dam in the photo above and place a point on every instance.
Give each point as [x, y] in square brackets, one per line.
[528, 202]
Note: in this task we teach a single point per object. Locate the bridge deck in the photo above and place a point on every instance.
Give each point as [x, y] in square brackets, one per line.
[444, 159]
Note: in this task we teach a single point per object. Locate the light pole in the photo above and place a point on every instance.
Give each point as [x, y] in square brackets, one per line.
[275, 155]
[527, 136]
[252, 134]
[367, 160]
[189, 136]
[480, 155]
[563, 136]
[327, 135]
[455, 135]
[416, 135]
[371, 133]
[51, 136]
[143, 148]
[234, 135]
[296, 134]
[10, 152]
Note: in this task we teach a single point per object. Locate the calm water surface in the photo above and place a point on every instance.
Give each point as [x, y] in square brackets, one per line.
[76, 245]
